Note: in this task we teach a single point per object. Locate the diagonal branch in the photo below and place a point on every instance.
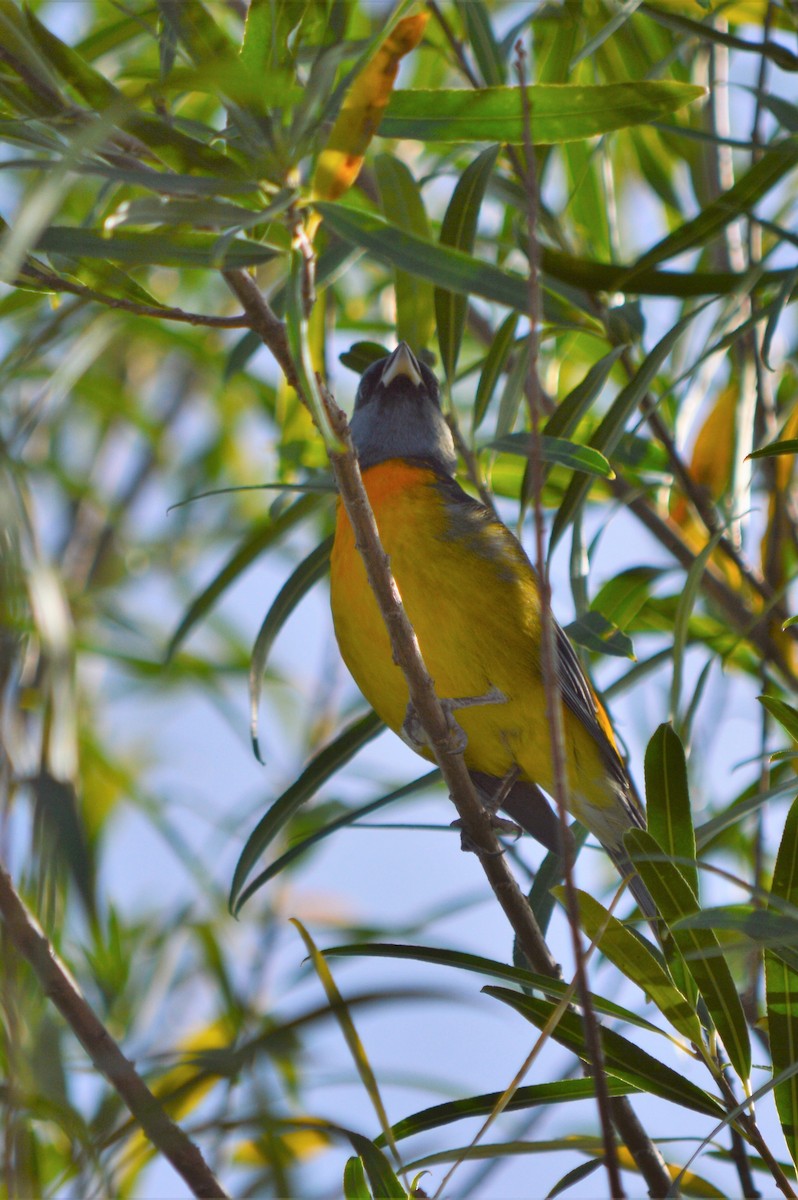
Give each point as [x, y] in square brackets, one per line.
[31, 944]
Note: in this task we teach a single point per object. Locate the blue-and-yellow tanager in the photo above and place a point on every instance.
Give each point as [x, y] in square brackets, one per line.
[473, 599]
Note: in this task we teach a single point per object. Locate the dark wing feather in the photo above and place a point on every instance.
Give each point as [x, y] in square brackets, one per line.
[472, 521]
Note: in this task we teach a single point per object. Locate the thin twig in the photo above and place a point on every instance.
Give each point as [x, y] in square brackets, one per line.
[55, 283]
[265, 322]
[169, 1138]
[549, 661]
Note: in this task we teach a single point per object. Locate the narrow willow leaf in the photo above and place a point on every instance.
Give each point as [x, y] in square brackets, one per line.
[461, 273]
[706, 32]
[381, 1177]
[607, 30]
[441, 265]
[737, 201]
[621, 598]
[683, 615]
[482, 42]
[155, 249]
[513, 392]
[593, 631]
[265, 534]
[549, 874]
[788, 446]
[320, 768]
[785, 714]
[459, 229]
[354, 1183]
[555, 450]
[359, 1058]
[340, 161]
[700, 948]
[609, 432]
[308, 573]
[555, 988]
[560, 112]
[495, 363]
[297, 849]
[401, 201]
[632, 957]
[622, 1058]
[669, 818]
[782, 991]
[177, 149]
[572, 408]
[782, 300]
[533, 1096]
[576, 1175]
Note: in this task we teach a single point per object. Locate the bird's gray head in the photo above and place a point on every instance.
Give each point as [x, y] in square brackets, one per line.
[398, 413]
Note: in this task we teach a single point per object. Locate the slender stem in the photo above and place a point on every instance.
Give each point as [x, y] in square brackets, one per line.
[56, 284]
[31, 944]
[549, 661]
[405, 648]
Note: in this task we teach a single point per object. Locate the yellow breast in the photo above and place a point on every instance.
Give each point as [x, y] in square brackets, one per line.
[475, 614]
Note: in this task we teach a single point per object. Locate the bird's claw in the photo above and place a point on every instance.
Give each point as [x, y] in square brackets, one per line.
[414, 734]
[499, 825]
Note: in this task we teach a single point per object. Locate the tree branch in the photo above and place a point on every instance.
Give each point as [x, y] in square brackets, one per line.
[169, 1138]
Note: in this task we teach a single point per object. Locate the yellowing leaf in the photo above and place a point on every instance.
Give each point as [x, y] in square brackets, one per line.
[711, 469]
[341, 159]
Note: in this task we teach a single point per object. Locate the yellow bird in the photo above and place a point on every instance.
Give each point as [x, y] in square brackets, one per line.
[473, 599]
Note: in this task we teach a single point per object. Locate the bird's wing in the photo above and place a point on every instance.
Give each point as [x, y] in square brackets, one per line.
[488, 535]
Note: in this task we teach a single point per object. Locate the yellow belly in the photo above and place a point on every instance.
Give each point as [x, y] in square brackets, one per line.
[477, 623]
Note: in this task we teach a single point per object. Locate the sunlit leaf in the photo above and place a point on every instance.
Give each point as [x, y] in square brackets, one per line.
[560, 112]
[340, 161]
[782, 990]
[700, 949]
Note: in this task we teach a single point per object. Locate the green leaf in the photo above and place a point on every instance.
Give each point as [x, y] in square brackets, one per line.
[176, 149]
[669, 818]
[441, 265]
[555, 988]
[382, 1179]
[308, 573]
[632, 957]
[354, 1185]
[297, 849]
[622, 1058]
[495, 363]
[320, 768]
[266, 534]
[593, 631]
[785, 714]
[482, 42]
[402, 204]
[572, 408]
[155, 249]
[385, 1182]
[674, 898]
[620, 599]
[738, 200]
[533, 1096]
[555, 450]
[459, 229]
[560, 112]
[609, 431]
[787, 446]
[782, 990]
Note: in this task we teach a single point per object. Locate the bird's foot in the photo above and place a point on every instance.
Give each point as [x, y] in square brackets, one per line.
[493, 803]
[499, 825]
[414, 735]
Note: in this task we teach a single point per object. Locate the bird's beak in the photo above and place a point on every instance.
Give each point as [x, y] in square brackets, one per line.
[401, 362]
